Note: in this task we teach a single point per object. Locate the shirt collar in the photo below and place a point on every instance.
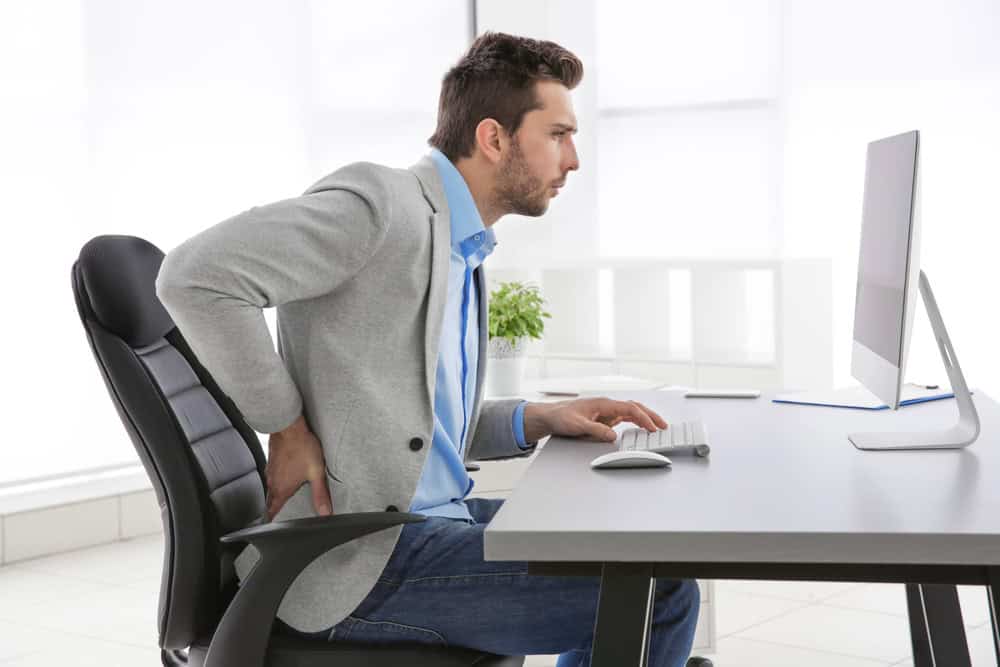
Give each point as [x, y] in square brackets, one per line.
[468, 234]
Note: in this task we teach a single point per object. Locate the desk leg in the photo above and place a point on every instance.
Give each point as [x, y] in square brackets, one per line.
[624, 613]
[993, 594]
[936, 631]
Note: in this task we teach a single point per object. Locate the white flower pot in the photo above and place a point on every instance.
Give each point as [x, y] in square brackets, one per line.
[505, 366]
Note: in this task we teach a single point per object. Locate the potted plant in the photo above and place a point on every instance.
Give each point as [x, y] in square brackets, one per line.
[515, 315]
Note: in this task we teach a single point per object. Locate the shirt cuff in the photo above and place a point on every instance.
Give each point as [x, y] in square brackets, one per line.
[518, 424]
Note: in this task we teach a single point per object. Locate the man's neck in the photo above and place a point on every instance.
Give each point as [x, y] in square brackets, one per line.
[480, 182]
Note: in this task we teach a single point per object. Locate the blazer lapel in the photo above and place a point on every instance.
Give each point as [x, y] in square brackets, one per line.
[440, 223]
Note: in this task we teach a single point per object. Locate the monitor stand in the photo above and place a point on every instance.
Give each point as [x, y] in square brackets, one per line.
[960, 435]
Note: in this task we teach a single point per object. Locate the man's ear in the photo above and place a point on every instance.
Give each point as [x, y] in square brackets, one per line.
[491, 139]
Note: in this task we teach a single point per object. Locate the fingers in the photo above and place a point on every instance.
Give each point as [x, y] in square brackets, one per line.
[274, 504]
[611, 412]
[321, 496]
[634, 413]
[320, 499]
[599, 431]
[659, 421]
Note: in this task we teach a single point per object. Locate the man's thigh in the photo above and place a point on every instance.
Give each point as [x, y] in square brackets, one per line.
[437, 588]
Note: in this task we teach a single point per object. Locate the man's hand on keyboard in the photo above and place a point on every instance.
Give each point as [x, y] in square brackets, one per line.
[591, 417]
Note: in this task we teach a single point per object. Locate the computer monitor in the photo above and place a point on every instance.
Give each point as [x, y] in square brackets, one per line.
[889, 277]
[888, 266]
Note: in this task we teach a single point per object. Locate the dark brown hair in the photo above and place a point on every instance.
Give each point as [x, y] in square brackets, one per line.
[495, 79]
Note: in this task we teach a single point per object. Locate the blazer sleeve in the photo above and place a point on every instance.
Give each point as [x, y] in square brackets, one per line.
[494, 435]
[216, 284]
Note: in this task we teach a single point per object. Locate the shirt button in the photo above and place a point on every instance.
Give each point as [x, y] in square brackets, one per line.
[476, 237]
[391, 508]
[416, 444]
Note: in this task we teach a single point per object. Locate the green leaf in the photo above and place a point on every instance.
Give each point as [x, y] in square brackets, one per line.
[516, 311]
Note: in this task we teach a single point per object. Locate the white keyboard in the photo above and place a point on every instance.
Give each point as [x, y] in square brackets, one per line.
[688, 437]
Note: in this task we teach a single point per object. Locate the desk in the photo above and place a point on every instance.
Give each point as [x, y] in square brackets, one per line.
[784, 495]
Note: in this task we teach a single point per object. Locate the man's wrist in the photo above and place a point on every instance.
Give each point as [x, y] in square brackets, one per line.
[536, 421]
[297, 426]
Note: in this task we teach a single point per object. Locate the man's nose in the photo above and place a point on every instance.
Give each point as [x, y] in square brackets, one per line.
[574, 160]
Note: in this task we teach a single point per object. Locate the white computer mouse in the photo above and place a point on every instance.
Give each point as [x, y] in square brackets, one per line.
[633, 459]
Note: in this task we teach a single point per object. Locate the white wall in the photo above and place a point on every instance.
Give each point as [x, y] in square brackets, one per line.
[688, 152]
[158, 120]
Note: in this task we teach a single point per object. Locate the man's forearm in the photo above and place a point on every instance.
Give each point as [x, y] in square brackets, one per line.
[216, 285]
[210, 293]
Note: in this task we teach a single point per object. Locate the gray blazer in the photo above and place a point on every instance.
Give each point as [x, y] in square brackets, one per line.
[358, 269]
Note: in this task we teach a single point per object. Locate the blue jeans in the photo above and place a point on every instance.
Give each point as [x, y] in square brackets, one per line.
[437, 589]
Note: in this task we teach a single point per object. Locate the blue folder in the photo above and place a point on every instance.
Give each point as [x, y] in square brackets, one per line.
[858, 398]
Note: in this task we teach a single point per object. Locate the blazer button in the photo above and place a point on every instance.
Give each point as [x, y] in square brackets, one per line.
[416, 444]
[391, 508]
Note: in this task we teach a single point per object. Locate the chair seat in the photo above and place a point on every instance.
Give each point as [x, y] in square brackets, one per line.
[289, 651]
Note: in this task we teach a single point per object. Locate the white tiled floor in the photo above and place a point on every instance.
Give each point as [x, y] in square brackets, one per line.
[97, 606]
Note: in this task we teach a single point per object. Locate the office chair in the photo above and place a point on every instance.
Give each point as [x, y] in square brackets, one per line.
[208, 472]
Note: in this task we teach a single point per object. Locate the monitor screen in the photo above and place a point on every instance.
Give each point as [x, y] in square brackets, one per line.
[885, 246]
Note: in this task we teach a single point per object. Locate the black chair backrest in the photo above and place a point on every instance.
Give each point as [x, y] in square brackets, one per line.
[206, 465]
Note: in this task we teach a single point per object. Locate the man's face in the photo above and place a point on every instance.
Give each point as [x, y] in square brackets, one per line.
[541, 153]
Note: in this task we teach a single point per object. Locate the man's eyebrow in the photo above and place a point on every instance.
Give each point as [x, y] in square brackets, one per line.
[564, 126]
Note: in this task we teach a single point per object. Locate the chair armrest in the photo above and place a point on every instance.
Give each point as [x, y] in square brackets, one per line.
[472, 467]
[339, 525]
[286, 548]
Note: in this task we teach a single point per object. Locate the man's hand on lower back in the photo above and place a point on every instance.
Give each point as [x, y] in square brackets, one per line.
[295, 456]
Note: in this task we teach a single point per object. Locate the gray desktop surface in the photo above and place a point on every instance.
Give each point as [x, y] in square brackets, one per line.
[783, 484]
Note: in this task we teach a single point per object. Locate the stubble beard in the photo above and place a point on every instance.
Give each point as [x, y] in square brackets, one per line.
[518, 190]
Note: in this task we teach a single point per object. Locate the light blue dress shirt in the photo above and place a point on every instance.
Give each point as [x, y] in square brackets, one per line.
[444, 482]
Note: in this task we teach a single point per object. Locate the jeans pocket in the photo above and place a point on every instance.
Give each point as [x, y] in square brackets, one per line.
[389, 632]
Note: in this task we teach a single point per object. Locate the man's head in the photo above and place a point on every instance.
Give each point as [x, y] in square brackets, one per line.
[505, 116]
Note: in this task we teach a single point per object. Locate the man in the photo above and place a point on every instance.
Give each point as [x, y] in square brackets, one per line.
[375, 402]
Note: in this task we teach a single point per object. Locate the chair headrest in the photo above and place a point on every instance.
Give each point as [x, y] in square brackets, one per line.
[119, 277]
